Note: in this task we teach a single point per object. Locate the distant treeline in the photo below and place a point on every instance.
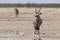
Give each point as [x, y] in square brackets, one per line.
[29, 5]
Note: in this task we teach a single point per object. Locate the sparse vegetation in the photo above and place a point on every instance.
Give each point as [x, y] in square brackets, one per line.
[23, 23]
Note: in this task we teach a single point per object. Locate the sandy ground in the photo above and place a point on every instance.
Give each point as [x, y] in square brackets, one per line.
[21, 27]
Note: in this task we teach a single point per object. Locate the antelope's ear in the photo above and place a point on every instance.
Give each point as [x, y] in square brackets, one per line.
[40, 13]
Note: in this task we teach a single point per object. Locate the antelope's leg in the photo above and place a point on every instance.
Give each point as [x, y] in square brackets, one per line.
[36, 35]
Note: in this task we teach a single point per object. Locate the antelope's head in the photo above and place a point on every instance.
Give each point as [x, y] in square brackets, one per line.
[37, 13]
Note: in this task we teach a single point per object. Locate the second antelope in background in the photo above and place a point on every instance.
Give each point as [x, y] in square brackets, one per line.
[16, 12]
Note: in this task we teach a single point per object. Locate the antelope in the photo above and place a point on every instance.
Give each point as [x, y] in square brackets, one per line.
[37, 21]
[16, 12]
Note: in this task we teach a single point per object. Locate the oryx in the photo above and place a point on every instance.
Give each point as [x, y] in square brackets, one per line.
[37, 21]
[16, 12]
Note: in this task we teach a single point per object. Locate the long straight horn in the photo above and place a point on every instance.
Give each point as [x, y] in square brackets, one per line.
[35, 10]
[39, 10]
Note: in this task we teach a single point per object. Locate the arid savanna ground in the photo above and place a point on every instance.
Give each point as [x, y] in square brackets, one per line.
[21, 27]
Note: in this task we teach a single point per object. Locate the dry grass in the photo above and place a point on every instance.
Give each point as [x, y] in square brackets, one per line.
[24, 23]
